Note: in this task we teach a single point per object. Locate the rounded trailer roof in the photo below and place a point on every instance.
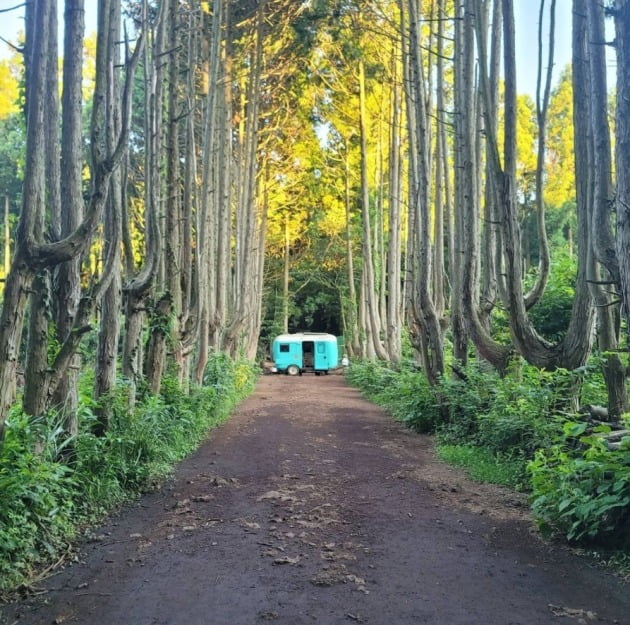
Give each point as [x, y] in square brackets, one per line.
[306, 336]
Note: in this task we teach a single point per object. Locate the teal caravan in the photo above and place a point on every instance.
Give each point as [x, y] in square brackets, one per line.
[295, 354]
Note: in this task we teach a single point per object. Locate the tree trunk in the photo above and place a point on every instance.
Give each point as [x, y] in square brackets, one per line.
[622, 148]
[67, 280]
[602, 201]
[425, 315]
[394, 251]
[353, 342]
[373, 320]
[109, 327]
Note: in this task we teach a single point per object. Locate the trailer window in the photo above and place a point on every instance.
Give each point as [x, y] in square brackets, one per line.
[321, 348]
[284, 348]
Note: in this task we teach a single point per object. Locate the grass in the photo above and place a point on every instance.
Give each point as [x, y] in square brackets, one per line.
[484, 466]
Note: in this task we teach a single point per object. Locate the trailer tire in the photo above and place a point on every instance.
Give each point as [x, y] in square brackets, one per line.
[293, 370]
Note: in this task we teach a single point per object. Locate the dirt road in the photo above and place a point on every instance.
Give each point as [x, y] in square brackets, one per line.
[311, 506]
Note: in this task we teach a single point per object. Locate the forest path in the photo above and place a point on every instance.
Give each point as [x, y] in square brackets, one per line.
[311, 506]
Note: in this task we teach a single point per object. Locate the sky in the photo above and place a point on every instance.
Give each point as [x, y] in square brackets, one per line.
[526, 14]
[526, 17]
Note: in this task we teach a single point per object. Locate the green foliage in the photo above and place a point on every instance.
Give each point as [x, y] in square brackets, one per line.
[50, 486]
[514, 431]
[405, 393]
[552, 313]
[492, 425]
[36, 494]
[581, 488]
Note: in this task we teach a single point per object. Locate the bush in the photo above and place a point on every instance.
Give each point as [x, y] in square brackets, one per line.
[581, 489]
[46, 496]
[405, 393]
[36, 492]
[492, 425]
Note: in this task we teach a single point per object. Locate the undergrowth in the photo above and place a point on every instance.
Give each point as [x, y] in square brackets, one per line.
[52, 487]
[521, 431]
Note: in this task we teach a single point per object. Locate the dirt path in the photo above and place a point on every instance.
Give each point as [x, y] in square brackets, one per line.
[311, 506]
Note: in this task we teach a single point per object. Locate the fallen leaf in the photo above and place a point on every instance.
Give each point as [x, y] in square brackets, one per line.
[276, 494]
[557, 610]
[287, 560]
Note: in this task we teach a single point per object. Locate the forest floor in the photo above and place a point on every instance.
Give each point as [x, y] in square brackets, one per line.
[310, 506]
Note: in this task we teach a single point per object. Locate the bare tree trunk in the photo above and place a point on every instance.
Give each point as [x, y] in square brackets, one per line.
[353, 343]
[7, 237]
[35, 391]
[492, 257]
[464, 193]
[425, 314]
[622, 148]
[247, 213]
[189, 322]
[542, 105]
[368, 261]
[394, 251]
[468, 188]
[137, 287]
[573, 351]
[285, 276]
[602, 201]
[32, 255]
[168, 319]
[109, 330]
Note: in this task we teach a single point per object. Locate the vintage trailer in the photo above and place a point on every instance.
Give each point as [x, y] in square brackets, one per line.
[305, 351]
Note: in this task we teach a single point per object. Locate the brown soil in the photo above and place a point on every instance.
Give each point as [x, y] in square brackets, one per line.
[311, 506]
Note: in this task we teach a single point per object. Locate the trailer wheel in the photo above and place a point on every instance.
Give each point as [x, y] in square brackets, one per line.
[293, 370]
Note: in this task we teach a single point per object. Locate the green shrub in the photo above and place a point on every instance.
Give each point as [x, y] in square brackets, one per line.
[36, 495]
[581, 489]
[405, 393]
[551, 315]
[46, 495]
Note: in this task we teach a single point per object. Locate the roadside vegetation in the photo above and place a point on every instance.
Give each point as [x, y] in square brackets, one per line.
[54, 486]
[520, 431]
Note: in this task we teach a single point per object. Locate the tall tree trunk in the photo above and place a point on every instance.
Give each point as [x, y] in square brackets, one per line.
[394, 250]
[468, 187]
[425, 313]
[353, 342]
[137, 286]
[285, 275]
[574, 349]
[35, 392]
[67, 286]
[542, 104]
[109, 327]
[464, 193]
[622, 148]
[602, 201]
[368, 260]
[32, 255]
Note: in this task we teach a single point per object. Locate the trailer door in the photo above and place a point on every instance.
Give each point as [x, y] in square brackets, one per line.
[322, 362]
